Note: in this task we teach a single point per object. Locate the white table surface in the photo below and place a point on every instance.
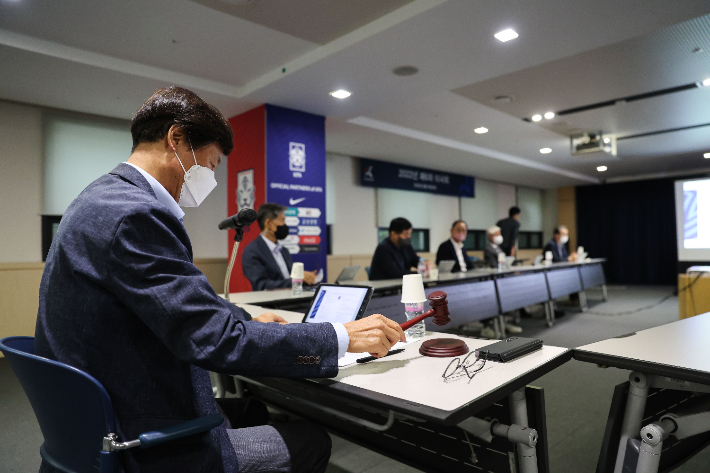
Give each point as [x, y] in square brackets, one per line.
[416, 378]
[682, 344]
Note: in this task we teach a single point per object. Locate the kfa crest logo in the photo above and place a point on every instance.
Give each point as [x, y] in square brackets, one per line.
[245, 189]
[297, 158]
[368, 174]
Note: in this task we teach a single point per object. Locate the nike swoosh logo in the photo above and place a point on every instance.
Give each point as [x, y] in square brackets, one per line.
[296, 201]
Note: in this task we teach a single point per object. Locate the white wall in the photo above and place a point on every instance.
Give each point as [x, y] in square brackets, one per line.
[20, 183]
[350, 208]
[78, 150]
[201, 222]
[531, 209]
[481, 212]
[505, 199]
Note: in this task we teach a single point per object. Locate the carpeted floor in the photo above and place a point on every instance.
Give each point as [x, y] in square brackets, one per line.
[577, 394]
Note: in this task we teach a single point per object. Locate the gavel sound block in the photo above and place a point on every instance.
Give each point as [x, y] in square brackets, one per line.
[438, 347]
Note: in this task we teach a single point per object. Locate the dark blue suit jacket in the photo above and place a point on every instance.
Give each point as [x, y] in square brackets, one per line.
[447, 252]
[391, 262]
[121, 300]
[260, 267]
[557, 255]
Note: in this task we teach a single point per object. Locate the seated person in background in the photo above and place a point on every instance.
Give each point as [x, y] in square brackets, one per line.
[558, 246]
[265, 262]
[490, 254]
[394, 257]
[452, 249]
[509, 229]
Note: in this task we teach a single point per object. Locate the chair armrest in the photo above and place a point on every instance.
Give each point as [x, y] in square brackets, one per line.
[185, 429]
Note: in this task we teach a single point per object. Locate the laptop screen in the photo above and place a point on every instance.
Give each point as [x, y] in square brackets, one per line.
[340, 304]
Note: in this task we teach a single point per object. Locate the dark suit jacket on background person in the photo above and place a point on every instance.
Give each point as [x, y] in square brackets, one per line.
[509, 229]
[260, 267]
[391, 262]
[559, 253]
[121, 300]
[447, 251]
[490, 254]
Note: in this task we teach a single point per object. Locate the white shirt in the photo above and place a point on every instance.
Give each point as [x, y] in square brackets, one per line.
[275, 250]
[459, 254]
[161, 193]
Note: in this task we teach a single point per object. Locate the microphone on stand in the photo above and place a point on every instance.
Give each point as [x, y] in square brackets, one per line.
[241, 219]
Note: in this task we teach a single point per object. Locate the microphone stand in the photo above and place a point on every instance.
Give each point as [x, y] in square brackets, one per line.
[238, 235]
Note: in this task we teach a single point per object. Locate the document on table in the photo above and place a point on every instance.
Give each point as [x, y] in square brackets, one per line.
[351, 358]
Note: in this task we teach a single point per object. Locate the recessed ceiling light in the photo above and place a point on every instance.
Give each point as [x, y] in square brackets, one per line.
[706, 156]
[706, 82]
[536, 118]
[481, 129]
[506, 35]
[607, 140]
[550, 115]
[601, 168]
[546, 150]
[340, 94]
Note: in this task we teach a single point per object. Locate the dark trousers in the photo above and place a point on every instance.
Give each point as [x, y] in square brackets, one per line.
[307, 446]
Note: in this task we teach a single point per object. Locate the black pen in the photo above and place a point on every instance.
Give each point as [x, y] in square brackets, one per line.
[371, 358]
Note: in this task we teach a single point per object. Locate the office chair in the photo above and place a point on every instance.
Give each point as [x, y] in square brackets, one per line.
[367, 270]
[75, 413]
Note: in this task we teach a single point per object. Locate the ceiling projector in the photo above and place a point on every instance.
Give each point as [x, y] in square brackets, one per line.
[596, 142]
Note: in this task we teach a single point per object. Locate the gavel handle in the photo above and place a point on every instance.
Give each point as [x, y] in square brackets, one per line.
[417, 319]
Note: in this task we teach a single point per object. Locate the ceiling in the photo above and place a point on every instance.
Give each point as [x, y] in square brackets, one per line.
[105, 57]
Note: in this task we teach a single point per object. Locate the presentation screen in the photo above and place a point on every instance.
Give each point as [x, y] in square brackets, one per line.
[692, 202]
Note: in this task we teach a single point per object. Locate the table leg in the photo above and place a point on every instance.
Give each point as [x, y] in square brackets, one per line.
[527, 456]
[633, 415]
[604, 292]
[583, 301]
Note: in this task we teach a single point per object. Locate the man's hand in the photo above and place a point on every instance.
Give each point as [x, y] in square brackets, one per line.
[573, 256]
[374, 334]
[309, 277]
[269, 317]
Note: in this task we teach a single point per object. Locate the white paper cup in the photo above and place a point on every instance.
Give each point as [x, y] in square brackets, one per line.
[548, 256]
[413, 289]
[297, 271]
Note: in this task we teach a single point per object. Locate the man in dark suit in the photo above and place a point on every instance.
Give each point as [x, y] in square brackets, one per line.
[509, 229]
[453, 250]
[265, 262]
[558, 246]
[394, 257]
[492, 250]
[121, 300]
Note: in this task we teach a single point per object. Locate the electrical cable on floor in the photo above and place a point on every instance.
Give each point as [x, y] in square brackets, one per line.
[651, 306]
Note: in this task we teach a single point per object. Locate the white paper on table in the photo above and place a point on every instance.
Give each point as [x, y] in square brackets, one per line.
[351, 358]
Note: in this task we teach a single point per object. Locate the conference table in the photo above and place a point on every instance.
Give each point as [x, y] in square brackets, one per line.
[402, 406]
[669, 367]
[479, 294]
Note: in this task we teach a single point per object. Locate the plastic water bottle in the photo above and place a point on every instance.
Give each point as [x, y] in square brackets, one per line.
[421, 267]
[412, 310]
[296, 287]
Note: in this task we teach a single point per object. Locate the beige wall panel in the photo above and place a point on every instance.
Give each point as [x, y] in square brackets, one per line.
[19, 295]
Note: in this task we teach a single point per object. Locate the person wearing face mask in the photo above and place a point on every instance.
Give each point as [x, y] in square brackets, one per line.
[453, 250]
[394, 257]
[265, 262]
[493, 249]
[558, 246]
[121, 300]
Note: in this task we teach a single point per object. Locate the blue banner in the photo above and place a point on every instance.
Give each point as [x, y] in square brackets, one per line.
[396, 176]
[295, 178]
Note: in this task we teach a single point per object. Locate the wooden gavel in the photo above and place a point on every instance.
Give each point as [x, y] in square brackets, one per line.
[439, 309]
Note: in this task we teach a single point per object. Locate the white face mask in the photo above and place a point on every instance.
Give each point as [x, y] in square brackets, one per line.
[564, 239]
[498, 239]
[199, 182]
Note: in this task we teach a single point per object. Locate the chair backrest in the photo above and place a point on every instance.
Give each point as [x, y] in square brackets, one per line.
[73, 409]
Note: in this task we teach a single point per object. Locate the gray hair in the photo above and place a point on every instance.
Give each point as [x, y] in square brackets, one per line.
[493, 230]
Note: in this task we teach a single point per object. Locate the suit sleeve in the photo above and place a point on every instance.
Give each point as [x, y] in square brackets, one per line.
[441, 254]
[491, 258]
[387, 265]
[469, 263]
[254, 269]
[151, 272]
